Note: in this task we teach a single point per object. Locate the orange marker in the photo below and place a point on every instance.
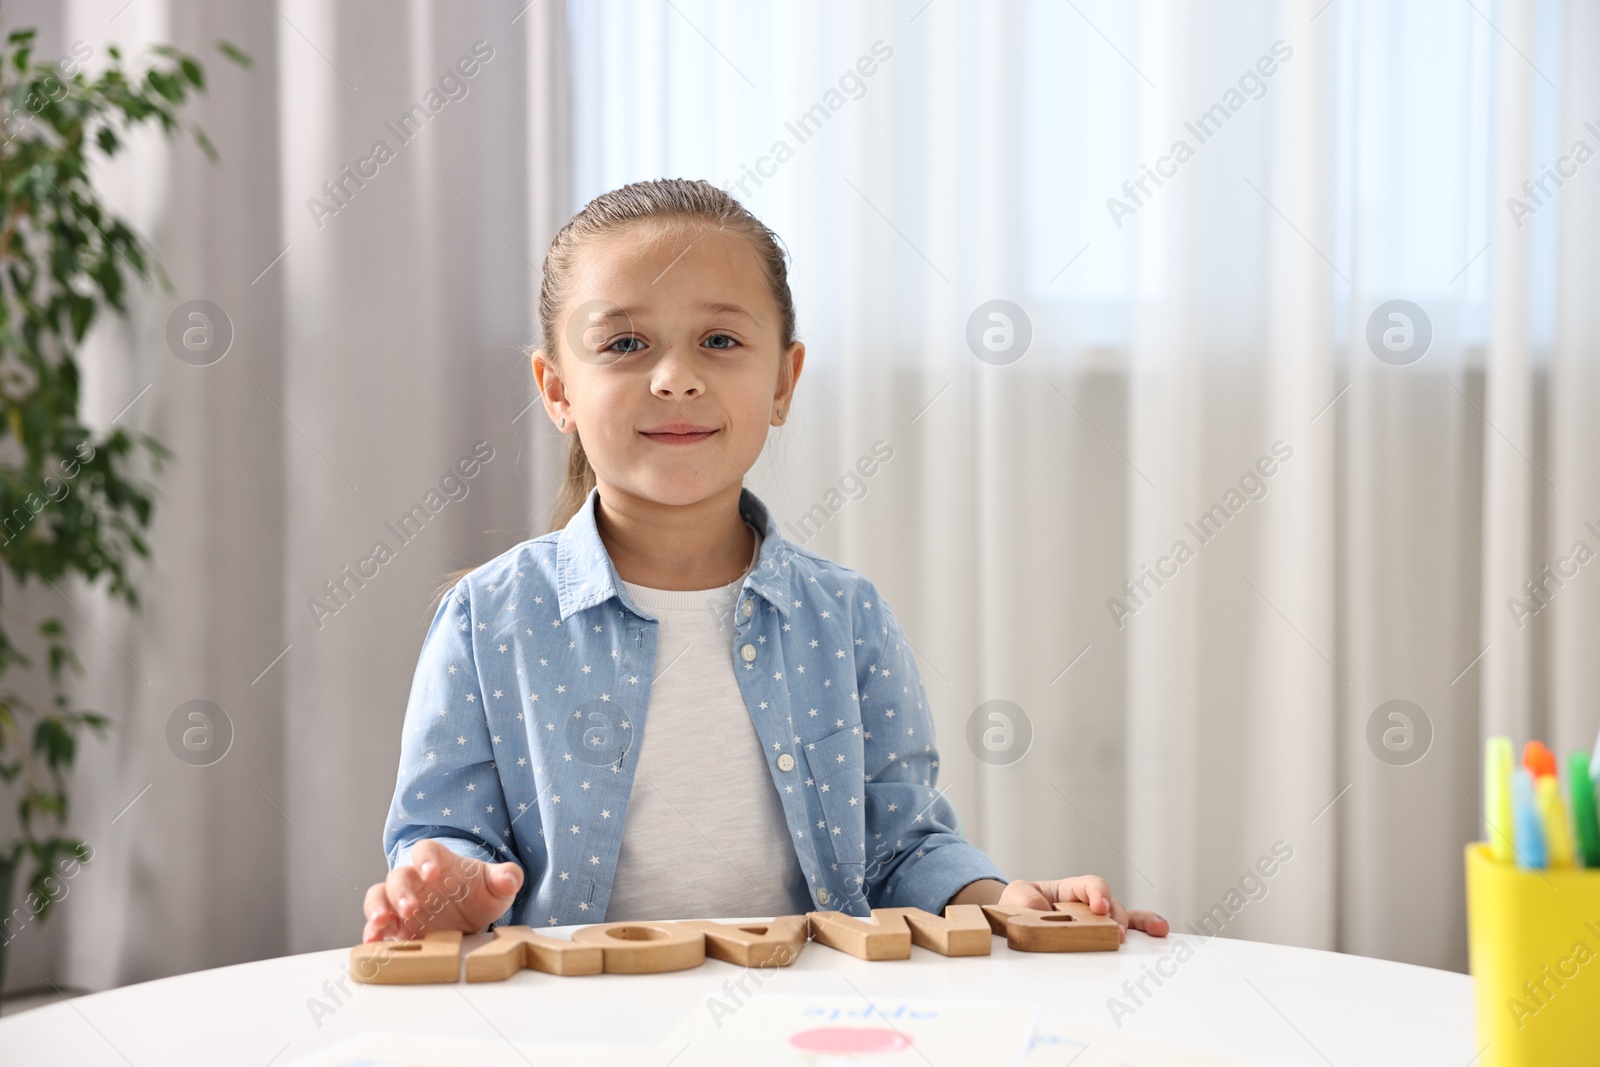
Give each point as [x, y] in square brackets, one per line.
[1538, 759]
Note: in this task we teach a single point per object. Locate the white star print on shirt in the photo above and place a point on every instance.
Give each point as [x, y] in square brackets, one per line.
[558, 608]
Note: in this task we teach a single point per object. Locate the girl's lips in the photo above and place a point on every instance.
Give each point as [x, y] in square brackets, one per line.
[679, 438]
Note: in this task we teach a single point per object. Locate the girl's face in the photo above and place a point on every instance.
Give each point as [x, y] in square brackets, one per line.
[663, 336]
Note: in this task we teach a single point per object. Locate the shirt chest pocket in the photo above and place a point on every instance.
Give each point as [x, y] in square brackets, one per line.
[836, 764]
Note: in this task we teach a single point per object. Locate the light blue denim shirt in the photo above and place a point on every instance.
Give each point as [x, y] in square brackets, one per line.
[530, 696]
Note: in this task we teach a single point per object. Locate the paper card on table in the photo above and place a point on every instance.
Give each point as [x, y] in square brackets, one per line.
[799, 1029]
[371, 1049]
[1058, 1045]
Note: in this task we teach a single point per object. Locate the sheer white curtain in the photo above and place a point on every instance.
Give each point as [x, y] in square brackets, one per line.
[1340, 156]
[372, 348]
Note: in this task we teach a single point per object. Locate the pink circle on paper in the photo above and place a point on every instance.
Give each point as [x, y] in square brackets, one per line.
[849, 1039]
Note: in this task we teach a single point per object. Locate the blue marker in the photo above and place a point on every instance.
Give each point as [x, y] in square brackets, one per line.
[1529, 827]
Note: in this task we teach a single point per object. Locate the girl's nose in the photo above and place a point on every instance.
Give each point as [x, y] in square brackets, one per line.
[676, 375]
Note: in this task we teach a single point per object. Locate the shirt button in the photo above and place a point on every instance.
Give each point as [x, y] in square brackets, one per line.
[822, 895]
[747, 609]
[748, 652]
[786, 762]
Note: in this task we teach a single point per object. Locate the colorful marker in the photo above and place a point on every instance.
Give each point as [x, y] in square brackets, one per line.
[1538, 759]
[1580, 787]
[1531, 851]
[1497, 798]
[1553, 813]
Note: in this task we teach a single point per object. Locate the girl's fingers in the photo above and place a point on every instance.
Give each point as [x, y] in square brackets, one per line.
[1096, 892]
[1119, 913]
[376, 905]
[477, 892]
[452, 875]
[431, 858]
[404, 888]
[380, 914]
[437, 889]
[1149, 922]
[381, 928]
[1093, 891]
[1025, 894]
[503, 879]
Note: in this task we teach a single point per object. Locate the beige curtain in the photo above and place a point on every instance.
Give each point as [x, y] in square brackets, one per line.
[373, 346]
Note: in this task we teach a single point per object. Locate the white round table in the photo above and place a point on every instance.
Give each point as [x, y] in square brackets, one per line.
[1252, 1003]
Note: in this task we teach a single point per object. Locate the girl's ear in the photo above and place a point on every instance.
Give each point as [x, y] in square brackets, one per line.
[551, 388]
[545, 371]
[789, 374]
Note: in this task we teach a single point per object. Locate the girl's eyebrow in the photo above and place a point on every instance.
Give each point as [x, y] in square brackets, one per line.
[713, 306]
[734, 309]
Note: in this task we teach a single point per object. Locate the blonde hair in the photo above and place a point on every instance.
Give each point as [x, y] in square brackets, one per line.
[666, 202]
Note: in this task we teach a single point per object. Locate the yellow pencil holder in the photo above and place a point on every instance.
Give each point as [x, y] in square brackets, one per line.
[1533, 945]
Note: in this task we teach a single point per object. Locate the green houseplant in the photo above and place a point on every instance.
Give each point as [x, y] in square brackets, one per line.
[69, 503]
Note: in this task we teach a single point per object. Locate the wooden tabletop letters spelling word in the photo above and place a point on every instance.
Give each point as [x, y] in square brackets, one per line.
[651, 947]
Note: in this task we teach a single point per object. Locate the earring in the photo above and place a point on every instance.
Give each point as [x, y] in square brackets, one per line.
[563, 423]
[780, 413]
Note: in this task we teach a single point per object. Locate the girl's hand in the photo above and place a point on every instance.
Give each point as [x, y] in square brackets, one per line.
[439, 890]
[1088, 889]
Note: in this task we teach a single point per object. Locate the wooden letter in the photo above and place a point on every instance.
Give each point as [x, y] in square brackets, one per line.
[1071, 927]
[516, 947]
[771, 944]
[645, 948]
[436, 958]
[884, 937]
[963, 930]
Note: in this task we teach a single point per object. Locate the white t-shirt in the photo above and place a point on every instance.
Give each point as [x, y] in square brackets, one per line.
[705, 835]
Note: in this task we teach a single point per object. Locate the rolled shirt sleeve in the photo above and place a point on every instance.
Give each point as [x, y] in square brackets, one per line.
[916, 858]
[448, 787]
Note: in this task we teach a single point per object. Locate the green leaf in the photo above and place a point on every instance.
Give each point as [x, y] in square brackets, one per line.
[205, 144]
[233, 52]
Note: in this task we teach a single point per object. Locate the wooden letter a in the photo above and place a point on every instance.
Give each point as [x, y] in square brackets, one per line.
[1070, 927]
[759, 944]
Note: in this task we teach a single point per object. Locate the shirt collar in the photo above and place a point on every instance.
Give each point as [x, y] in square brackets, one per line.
[585, 575]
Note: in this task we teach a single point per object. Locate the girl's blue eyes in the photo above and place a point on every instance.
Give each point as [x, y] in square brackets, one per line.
[612, 347]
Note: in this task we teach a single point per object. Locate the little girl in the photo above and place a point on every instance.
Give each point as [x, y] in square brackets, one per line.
[663, 709]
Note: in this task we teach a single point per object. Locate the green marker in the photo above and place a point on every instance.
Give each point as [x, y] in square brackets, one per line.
[1497, 797]
[1581, 788]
